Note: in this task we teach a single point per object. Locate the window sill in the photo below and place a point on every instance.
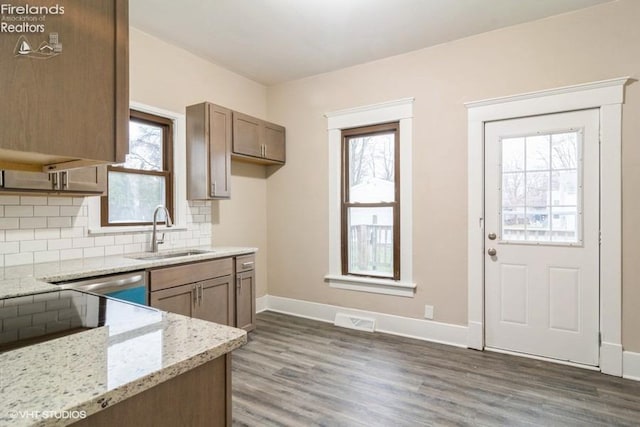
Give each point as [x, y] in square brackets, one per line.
[372, 285]
[133, 229]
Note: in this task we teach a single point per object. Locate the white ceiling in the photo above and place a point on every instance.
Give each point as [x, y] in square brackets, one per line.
[272, 41]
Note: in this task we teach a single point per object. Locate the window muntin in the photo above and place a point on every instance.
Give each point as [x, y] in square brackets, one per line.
[145, 179]
[541, 200]
[370, 201]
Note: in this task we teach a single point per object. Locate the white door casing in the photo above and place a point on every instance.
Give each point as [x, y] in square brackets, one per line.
[542, 220]
[607, 96]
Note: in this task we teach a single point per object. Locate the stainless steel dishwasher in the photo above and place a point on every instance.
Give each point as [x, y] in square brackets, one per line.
[131, 286]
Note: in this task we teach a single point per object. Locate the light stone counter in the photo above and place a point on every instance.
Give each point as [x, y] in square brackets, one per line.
[27, 279]
[93, 369]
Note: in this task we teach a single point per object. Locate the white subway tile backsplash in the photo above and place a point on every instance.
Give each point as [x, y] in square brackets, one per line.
[9, 200]
[18, 211]
[18, 235]
[46, 256]
[18, 259]
[9, 223]
[83, 242]
[60, 201]
[34, 222]
[32, 200]
[33, 245]
[46, 233]
[114, 250]
[59, 222]
[93, 252]
[123, 239]
[46, 211]
[56, 244]
[71, 210]
[49, 229]
[104, 241]
[9, 247]
[72, 232]
[70, 254]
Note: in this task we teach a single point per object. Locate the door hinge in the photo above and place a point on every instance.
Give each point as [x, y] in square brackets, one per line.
[599, 339]
[600, 238]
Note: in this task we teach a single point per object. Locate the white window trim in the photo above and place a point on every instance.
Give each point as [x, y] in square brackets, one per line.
[179, 177]
[607, 96]
[399, 110]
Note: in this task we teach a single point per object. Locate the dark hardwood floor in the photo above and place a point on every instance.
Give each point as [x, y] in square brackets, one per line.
[298, 372]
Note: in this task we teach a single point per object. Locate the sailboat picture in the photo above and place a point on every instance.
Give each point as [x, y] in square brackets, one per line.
[24, 48]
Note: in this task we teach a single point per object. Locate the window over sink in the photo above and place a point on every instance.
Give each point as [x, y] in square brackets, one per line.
[146, 179]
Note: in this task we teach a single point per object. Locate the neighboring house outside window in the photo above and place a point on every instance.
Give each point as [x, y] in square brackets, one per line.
[370, 213]
[145, 180]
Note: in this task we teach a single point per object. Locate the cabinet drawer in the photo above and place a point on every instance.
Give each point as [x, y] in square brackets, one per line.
[168, 277]
[245, 263]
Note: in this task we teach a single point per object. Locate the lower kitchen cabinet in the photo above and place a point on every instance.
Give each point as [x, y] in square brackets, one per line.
[245, 292]
[206, 290]
[198, 398]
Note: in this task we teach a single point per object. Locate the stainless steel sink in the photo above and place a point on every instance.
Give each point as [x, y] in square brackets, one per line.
[165, 255]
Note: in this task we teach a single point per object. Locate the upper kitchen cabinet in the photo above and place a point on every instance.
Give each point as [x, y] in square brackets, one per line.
[64, 76]
[209, 136]
[258, 141]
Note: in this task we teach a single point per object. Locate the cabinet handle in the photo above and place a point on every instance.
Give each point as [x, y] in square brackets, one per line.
[265, 150]
[247, 264]
[1, 178]
[54, 180]
[200, 293]
[194, 289]
[238, 284]
[213, 188]
[65, 180]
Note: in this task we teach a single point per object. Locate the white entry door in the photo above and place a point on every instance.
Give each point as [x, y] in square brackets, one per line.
[542, 236]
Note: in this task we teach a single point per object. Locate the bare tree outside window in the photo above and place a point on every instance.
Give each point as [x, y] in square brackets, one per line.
[370, 208]
[144, 180]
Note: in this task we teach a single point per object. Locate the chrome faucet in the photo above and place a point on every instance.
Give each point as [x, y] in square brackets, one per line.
[154, 234]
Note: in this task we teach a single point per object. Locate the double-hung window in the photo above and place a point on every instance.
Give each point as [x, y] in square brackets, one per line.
[370, 231]
[145, 179]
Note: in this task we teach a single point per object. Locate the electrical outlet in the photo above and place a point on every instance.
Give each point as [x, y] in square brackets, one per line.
[428, 312]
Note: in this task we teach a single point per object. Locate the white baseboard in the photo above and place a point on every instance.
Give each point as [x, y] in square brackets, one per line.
[611, 359]
[631, 365]
[426, 330]
[261, 303]
[475, 335]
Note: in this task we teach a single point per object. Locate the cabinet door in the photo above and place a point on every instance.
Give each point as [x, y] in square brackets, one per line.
[180, 300]
[17, 180]
[246, 300]
[68, 84]
[216, 301]
[85, 180]
[274, 141]
[246, 135]
[219, 152]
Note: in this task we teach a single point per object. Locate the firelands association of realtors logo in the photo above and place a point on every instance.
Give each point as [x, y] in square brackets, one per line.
[31, 19]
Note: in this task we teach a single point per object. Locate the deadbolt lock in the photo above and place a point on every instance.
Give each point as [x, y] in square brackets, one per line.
[492, 236]
[492, 252]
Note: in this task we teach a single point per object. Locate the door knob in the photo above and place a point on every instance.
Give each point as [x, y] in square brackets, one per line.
[492, 236]
[491, 252]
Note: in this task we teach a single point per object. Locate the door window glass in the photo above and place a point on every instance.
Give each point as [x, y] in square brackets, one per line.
[541, 188]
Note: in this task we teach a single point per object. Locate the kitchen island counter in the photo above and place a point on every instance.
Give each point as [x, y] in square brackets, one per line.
[66, 379]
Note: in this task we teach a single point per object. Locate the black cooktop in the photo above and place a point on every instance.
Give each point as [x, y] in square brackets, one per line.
[35, 318]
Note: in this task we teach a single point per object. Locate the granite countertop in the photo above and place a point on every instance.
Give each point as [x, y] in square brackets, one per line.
[44, 383]
[31, 278]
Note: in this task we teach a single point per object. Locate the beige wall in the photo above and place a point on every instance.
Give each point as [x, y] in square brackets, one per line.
[167, 77]
[593, 44]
